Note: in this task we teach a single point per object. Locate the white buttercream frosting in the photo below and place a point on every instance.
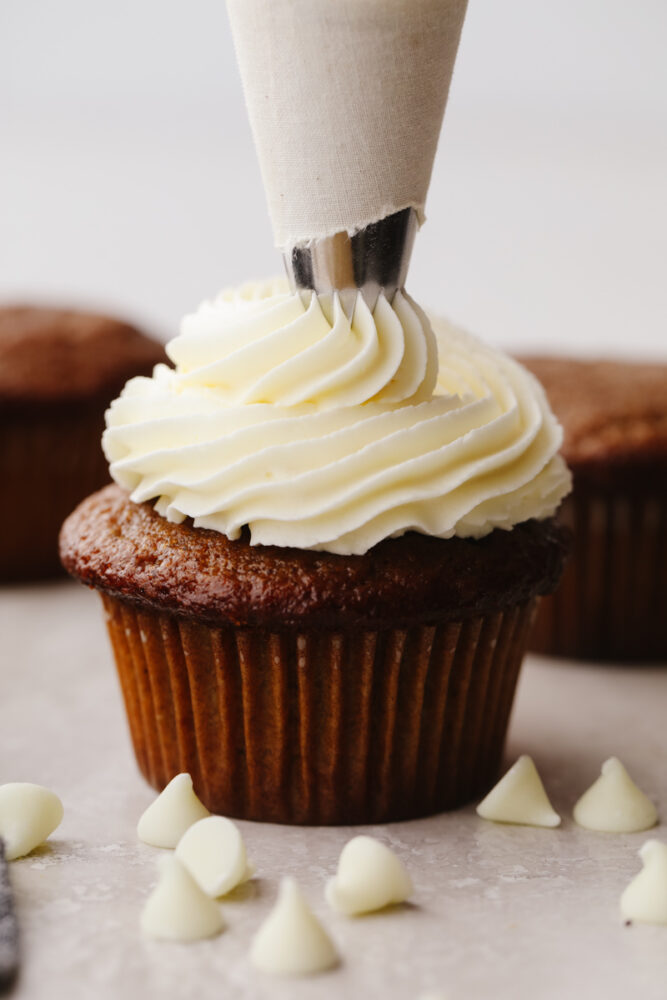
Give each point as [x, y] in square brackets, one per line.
[326, 433]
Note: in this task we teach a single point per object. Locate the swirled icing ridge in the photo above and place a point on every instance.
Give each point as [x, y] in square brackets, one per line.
[333, 434]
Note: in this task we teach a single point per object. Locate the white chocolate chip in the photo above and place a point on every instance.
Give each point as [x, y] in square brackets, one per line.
[171, 814]
[177, 909]
[369, 877]
[213, 852]
[519, 797]
[645, 899]
[292, 941]
[614, 804]
[28, 815]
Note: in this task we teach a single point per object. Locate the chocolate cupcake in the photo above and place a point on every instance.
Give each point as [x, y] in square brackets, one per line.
[59, 370]
[612, 599]
[309, 687]
[323, 616]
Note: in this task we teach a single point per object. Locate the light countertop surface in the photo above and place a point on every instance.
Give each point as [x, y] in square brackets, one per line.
[498, 912]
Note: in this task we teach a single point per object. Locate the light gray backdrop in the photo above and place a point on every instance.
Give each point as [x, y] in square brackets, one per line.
[128, 178]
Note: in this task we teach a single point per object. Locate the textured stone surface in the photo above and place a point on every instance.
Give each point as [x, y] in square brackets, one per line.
[502, 912]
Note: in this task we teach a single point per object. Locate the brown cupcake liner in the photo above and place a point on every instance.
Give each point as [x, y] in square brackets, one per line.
[49, 462]
[612, 600]
[319, 727]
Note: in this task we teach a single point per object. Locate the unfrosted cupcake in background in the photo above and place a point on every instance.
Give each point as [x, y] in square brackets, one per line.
[612, 602]
[59, 370]
[321, 560]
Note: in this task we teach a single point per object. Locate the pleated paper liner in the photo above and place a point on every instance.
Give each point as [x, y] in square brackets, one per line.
[611, 603]
[50, 461]
[319, 727]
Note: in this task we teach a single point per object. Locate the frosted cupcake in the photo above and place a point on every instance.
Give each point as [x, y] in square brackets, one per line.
[322, 558]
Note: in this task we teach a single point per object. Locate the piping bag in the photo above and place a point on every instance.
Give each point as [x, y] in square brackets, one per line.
[346, 100]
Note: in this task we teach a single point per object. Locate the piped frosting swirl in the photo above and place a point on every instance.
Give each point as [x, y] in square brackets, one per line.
[326, 433]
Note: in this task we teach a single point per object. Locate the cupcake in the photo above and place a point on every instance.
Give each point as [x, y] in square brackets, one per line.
[59, 370]
[322, 555]
[612, 599]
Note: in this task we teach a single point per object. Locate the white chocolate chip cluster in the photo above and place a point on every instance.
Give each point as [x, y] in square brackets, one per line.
[612, 804]
[210, 861]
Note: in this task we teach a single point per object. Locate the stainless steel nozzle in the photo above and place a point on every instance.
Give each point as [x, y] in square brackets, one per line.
[374, 259]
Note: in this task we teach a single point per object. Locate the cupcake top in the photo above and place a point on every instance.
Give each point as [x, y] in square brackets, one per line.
[321, 432]
[52, 356]
[609, 409]
[130, 551]
[614, 416]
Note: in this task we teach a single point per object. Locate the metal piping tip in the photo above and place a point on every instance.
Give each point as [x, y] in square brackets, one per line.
[373, 260]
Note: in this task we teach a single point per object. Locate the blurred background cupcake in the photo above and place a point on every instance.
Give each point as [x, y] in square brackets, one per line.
[59, 370]
[612, 601]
